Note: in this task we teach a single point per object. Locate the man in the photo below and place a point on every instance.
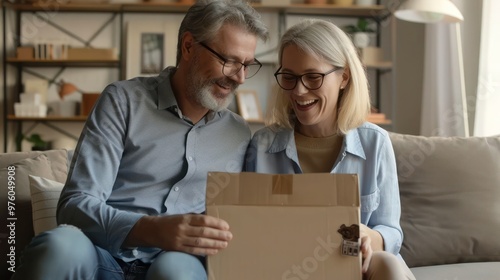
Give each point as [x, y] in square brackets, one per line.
[136, 186]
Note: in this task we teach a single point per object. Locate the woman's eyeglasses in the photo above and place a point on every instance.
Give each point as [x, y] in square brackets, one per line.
[311, 81]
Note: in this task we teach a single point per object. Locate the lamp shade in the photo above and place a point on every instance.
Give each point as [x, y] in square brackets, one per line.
[429, 11]
[66, 89]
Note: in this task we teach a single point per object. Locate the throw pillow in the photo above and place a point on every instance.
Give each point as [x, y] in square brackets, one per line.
[59, 160]
[44, 197]
[39, 166]
[450, 198]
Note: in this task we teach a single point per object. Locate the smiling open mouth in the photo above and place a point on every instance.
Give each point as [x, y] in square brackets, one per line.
[305, 103]
[223, 86]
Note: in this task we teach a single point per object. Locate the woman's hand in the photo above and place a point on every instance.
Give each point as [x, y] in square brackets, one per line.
[366, 249]
[371, 241]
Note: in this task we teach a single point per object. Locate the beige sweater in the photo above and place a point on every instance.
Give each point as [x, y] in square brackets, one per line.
[317, 154]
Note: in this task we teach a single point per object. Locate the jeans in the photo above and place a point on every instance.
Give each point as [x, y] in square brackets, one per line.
[66, 253]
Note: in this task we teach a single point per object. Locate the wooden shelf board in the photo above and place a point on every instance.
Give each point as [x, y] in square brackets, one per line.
[380, 65]
[64, 62]
[381, 122]
[48, 118]
[156, 7]
[66, 7]
[161, 7]
[379, 118]
[323, 9]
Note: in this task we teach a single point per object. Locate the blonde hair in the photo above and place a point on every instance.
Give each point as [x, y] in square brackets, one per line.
[326, 41]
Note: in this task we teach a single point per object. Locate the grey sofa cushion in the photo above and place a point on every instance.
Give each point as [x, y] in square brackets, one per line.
[48, 164]
[450, 198]
[461, 271]
[59, 160]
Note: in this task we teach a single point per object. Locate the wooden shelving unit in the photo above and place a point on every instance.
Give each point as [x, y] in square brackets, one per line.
[64, 7]
[48, 118]
[326, 9]
[153, 7]
[112, 63]
[166, 7]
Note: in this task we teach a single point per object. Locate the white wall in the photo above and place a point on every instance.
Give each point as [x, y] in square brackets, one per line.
[409, 65]
[471, 38]
[408, 57]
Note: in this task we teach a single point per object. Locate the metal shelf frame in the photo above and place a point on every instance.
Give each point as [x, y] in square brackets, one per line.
[40, 12]
[117, 11]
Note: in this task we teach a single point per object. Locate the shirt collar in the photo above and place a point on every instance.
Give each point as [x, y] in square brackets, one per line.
[166, 97]
[283, 139]
[353, 145]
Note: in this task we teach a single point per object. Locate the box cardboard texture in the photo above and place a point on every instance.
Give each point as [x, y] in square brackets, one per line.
[285, 226]
[91, 54]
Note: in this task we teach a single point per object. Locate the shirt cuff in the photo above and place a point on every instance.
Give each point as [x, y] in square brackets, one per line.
[392, 239]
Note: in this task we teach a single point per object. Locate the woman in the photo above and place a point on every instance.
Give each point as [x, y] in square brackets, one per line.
[318, 124]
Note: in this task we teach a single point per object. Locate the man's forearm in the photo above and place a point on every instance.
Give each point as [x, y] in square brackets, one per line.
[143, 233]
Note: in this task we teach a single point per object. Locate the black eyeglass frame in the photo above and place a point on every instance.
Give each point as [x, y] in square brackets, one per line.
[299, 77]
[226, 60]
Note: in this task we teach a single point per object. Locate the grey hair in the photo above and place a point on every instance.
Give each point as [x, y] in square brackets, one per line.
[325, 41]
[205, 18]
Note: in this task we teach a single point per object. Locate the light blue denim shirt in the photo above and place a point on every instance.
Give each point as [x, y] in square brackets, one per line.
[366, 151]
[138, 155]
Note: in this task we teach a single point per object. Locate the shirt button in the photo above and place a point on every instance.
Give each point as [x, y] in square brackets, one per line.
[190, 158]
[176, 189]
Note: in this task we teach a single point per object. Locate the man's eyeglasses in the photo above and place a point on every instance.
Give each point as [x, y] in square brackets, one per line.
[231, 67]
[310, 81]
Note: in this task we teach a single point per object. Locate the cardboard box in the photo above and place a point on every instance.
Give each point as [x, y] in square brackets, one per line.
[91, 54]
[286, 226]
[25, 53]
[88, 102]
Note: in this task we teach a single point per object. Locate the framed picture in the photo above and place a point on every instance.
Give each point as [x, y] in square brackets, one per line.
[151, 45]
[249, 106]
[152, 53]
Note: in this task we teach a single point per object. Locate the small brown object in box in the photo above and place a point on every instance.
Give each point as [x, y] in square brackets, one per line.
[88, 102]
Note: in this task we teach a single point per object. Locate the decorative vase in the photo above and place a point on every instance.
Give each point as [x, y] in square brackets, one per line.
[365, 2]
[361, 39]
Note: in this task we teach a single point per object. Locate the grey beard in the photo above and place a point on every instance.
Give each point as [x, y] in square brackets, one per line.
[207, 99]
[200, 89]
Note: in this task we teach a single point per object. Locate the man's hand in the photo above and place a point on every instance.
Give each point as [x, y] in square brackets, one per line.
[191, 233]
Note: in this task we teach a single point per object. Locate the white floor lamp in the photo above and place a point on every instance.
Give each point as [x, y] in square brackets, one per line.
[433, 11]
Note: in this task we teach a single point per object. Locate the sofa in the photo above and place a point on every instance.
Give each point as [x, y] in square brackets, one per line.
[450, 201]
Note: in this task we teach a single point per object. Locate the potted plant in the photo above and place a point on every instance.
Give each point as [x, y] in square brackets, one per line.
[360, 32]
[38, 144]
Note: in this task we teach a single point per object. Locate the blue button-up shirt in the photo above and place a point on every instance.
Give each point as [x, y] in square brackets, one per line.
[138, 155]
[366, 151]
